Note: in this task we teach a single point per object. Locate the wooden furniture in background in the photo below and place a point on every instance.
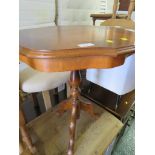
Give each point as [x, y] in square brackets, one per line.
[55, 49]
[124, 5]
[128, 24]
[130, 7]
[115, 8]
[119, 105]
[101, 16]
[50, 132]
[32, 82]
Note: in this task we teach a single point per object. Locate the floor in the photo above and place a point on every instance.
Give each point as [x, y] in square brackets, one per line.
[125, 146]
[50, 132]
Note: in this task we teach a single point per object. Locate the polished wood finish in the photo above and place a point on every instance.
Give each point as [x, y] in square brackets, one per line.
[118, 105]
[24, 133]
[36, 104]
[125, 23]
[74, 83]
[75, 104]
[62, 64]
[56, 49]
[50, 132]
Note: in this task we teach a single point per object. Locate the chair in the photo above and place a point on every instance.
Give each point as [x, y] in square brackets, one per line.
[32, 81]
[117, 7]
[35, 14]
[24, 137]
[119, 80]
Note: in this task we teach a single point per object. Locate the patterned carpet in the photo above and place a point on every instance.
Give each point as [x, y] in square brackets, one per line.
[126, 145]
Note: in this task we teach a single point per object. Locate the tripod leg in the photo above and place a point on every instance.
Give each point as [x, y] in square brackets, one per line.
[72, 128]
[64, 106]
[89, 109]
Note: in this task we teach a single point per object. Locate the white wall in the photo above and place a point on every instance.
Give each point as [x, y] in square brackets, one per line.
[77, 12]
[109, 6]
[36, 12]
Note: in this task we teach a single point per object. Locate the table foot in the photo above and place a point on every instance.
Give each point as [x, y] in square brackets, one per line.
[64, 106]
[67, 105]
[88, 107]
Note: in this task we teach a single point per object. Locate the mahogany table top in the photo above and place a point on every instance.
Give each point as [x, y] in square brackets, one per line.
[62, 48]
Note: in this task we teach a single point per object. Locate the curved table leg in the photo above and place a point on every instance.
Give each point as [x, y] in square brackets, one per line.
[64, 106]
[72, 128]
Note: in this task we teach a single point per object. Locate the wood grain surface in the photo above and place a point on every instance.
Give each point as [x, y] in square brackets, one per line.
[57, 48]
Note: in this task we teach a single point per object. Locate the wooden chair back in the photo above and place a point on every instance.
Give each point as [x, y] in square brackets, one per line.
[130, 8]
[126, 23]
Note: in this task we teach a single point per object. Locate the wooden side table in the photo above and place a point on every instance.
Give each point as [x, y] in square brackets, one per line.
[73, 48]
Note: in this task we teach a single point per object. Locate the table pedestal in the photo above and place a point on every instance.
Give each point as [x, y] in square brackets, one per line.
[75, 104]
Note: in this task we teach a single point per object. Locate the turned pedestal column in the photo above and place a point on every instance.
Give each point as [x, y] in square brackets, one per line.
[75, 104]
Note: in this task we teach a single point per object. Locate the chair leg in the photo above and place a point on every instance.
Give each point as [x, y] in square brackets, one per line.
[115, 6]
[36, 104]
[24, 132]
[47, 99]
[21, 148]
[68, 89]
[56, 95]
